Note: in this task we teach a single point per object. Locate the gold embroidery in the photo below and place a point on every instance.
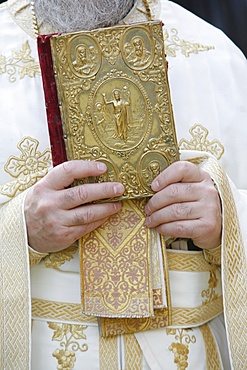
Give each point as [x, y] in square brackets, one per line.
[55, 260]
[142, 11]
[61, 311]
[190, 262]
[26, 169]
[200, 142]
[14, 289]
[35, 257]
[173, 43]
[212, 355]
[234, 268]
[68, 335]
[20, 62]
[115, 269]
[133, 353]
[182, 317]
[147, 10]
[180, 349]
[209, 293]
[108, 353]
[213, 256]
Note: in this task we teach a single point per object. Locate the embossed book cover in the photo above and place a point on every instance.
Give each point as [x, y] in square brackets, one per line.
[114, 102]
[108, 99]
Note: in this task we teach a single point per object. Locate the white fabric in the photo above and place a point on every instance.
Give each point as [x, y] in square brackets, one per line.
[207, 88]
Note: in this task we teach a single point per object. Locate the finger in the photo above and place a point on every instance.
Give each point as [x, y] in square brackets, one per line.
[64, 174]
[182, 229]
[194, 230]
[180, 171]
[82, 194]
[174, 212]
[65, 236]
[77, 232]
[89, 214]
[181, 192]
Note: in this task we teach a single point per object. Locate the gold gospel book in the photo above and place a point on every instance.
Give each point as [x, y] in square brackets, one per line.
[115, 104]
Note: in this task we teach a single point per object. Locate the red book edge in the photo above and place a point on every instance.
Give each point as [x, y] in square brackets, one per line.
[53, 114]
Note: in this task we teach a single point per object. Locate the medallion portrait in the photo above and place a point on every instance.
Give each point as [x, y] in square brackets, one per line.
[85, 56]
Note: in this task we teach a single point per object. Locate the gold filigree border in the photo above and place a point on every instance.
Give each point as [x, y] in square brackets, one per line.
[183, 317]
[15, 320]
[69, 312]
[234, 266]
[189, 262]
[108, 353]
[212, 355]
[133, 352]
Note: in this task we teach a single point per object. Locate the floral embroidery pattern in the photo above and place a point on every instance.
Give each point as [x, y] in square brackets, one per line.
[68, 335]
[209, 293]
[20, 62]
[200, 142]
[173, 43]
[55, 260]
[180, 349]
[26, 169]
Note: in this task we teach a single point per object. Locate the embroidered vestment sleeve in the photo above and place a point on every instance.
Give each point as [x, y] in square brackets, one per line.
[213, 255]
[35, 257]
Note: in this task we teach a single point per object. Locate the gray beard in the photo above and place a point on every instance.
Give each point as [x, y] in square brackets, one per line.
[76, 15]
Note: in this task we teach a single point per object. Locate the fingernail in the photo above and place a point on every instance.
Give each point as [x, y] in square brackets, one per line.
[155, 185]
[147, 221]
[101, 166]
[117, 206]
[147, 211]
[118, 189]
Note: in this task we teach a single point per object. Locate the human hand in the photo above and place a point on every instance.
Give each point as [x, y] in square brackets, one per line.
[186, 205]
[56, 215]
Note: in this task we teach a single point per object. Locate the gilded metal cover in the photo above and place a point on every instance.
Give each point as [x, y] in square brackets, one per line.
[115, 102]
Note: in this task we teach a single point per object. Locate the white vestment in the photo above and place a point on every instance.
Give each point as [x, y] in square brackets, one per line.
[208, 82]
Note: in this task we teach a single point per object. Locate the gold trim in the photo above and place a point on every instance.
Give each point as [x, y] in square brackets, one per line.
[56, 260]
[108, 353]
[15, 320]
[194, 316]
[187, 261]
[212, 355]
[183, 317]
[167, 281]
[148, 10]
[34, 20]
[49, 310]
[133, 353]
[35, 257]
[20, 11]
[213, 255]
[234, 267]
